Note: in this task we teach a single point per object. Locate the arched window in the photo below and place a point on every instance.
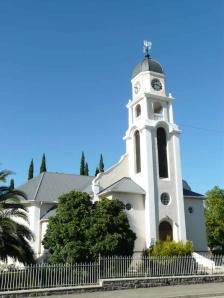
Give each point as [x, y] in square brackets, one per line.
[157, 108]
[137, 152]
[158, 111]
[138, 111]
[162, 152]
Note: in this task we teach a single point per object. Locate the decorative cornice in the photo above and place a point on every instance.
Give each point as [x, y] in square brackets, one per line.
[152, 124]
[133, 102]
[160, 97]
[144, 95]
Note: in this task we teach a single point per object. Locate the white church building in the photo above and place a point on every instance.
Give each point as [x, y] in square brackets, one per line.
[147, 178]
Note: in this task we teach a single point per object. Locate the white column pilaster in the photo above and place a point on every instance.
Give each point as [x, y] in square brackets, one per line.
[144, 108]
[179, 188]
[171, 113]
[148, 185]
[130, 116]
[34, 223]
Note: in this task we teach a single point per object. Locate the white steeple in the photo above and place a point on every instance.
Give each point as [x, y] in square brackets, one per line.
[152, 144]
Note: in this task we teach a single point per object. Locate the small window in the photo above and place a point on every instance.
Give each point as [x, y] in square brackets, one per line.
[190, 209]
[128, 206]
[165, 199]
[138, 111]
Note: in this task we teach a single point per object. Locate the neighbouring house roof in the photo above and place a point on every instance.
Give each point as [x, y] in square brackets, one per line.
[47, 187]
[125, 185]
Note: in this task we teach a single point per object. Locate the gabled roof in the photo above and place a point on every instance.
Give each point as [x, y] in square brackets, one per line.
[47, 187]
[125, 185]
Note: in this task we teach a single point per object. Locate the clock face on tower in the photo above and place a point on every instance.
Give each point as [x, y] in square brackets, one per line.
[156, 84]
[137, 87]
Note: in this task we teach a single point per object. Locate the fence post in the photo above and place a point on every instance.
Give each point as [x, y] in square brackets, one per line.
[99, 259]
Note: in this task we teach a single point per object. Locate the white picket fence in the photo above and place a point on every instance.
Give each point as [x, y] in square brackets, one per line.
[80, 274]
[48, 276]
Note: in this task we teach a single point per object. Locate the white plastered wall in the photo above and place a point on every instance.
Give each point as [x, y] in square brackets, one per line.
[34, 220]
[195, 223]
[113, 174]
[43, 229]
[136, 216]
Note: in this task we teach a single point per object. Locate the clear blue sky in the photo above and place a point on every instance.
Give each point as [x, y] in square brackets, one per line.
[65, 69]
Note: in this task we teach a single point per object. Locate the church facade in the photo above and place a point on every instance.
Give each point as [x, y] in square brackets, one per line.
[148, 177]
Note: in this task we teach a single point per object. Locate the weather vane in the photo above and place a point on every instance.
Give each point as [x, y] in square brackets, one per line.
[147, 47]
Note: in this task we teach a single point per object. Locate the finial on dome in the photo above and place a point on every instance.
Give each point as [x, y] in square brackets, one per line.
[147, 47]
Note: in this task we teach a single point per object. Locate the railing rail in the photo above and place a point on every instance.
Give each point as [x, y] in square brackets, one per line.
[158, 116]
[79, 274]
[48, 276]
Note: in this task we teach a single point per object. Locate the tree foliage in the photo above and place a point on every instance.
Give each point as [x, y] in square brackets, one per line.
[86, 169]
[97, 171]
[81, 230]
[14, 236]
[31, 170]
[214, 218]
[43, 167]
[82, 164]
[101, 164]
[109, 232]
[12, 184]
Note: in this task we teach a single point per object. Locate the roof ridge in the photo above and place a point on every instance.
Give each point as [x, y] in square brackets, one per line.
[38, 186]
[119, 182]
[69, 174]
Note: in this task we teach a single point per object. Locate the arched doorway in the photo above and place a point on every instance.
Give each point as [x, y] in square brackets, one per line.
[165, 231]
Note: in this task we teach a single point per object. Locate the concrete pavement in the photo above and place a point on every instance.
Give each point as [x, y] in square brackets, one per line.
[185, 291]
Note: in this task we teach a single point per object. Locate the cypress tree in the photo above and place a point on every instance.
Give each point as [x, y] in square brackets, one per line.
[31, 169]
[97, 171]
[82, 164]
[43, 167]
[12, 184]
[101, 164]
[86, 169]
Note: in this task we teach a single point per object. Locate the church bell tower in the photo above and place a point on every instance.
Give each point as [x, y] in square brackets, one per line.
[152, 145]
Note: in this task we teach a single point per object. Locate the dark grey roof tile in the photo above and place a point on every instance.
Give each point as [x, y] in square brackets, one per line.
[48, 186]
[189, 193]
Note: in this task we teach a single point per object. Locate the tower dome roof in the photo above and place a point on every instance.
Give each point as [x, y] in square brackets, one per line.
[147, 64]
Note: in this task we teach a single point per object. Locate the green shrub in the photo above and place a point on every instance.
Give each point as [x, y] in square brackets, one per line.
[171, 248]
